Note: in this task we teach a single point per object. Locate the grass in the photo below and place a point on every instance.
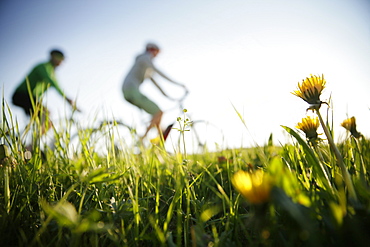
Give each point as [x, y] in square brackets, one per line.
[155, 198]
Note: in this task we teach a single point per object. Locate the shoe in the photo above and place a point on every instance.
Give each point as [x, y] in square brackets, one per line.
[167, 131]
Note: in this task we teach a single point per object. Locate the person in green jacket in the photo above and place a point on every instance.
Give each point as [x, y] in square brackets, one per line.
[37, 82]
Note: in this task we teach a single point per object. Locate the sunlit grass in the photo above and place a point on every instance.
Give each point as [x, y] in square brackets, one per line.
[130, 195]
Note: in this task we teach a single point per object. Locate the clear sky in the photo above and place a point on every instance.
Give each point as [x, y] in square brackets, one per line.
[246, 53]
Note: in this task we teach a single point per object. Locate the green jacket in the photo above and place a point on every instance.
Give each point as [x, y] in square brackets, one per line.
[40, 79]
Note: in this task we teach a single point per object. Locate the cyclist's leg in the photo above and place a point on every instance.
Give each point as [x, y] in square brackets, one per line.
[136, 98]
[46, 123]
[23, 100]
[155, 122]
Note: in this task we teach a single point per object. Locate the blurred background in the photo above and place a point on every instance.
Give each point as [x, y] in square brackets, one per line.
[246, 54]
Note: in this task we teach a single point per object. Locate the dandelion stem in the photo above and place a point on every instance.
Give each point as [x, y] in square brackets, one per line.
[322, 165]
[362, 165]
[345, 174]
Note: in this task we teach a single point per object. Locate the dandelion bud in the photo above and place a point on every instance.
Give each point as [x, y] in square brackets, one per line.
[309, 126]
[350, 125]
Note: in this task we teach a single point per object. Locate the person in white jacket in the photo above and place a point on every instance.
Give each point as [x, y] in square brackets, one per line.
[142, 69]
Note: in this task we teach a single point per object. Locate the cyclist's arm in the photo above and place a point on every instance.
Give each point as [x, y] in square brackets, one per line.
[150, 64]
[167, 78]
[48, 74]
[160, 89]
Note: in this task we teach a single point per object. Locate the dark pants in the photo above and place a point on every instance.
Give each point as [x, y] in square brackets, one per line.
[23, 100]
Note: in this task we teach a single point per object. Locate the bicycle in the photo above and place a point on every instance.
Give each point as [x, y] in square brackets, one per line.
[118, 135]
[75, 137]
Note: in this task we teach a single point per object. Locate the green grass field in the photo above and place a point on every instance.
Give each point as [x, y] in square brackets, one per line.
[312, 192]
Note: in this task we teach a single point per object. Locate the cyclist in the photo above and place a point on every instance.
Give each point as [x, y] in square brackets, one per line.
[40, 78]
[142, 69]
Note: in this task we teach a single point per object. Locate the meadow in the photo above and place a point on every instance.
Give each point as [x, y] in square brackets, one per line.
[310, 192]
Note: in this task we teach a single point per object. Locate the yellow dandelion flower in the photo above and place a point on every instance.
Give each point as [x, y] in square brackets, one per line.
[156, 141]
[350, 125]
[255, 187]
[310, 89]
[309, 126]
